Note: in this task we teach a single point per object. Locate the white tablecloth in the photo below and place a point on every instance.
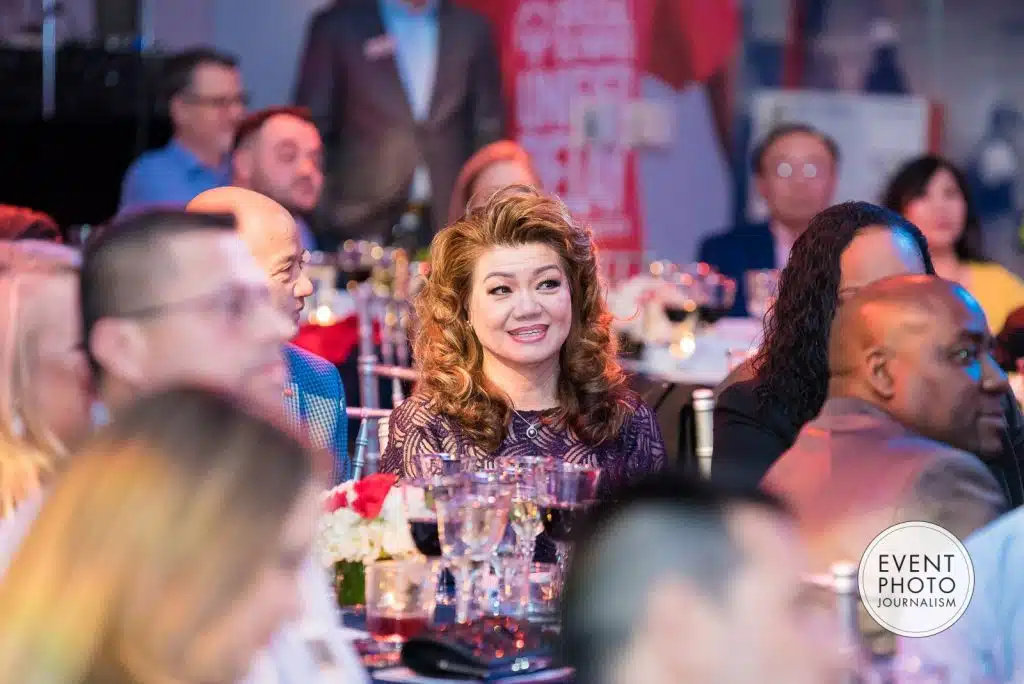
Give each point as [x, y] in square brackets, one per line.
[708, 365]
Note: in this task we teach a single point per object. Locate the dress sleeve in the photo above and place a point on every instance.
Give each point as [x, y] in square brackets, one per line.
[411, 432]
[644, 447]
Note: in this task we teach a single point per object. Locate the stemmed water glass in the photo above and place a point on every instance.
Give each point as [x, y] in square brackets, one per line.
[527, 476]
[439, 464]
[570, 489]
[471, 526]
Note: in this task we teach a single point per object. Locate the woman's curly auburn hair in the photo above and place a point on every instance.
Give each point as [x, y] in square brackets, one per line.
[591, 385]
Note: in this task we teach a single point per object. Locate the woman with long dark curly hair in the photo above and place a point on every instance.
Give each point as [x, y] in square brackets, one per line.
[515, 352]
[846, 247]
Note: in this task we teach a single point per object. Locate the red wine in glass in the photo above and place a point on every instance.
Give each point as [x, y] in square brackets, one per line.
[395, 628]
[424, 535]
[559, 520]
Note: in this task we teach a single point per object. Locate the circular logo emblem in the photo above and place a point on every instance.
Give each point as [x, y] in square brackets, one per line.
[916, 579]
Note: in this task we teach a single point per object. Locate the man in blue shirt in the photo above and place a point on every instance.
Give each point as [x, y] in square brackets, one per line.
[278, 153]
[206, 102]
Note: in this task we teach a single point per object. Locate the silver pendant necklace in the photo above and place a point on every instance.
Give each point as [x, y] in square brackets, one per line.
[531, 428]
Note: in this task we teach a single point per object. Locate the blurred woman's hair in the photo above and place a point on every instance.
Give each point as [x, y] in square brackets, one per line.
[464, 194]
[149, 537]
[910, 182]
[29, 448]
[591, 385]
[792, 363]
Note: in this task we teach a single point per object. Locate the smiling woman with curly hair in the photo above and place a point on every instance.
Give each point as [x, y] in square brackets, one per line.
[515, 351]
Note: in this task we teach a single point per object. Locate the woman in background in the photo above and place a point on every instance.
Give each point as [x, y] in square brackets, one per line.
[44, 386]
[932, 194]
[168, 551]
[515, 351]
[493, 167]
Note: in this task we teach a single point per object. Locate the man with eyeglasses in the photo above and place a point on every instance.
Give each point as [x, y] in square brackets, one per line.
[206, 102]
[169, 296]
[794, 171]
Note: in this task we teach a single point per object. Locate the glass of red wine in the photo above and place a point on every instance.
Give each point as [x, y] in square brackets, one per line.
[569, 490]
[400, 598]
[420, 498]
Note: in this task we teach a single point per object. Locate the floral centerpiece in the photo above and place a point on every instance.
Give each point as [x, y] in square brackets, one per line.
[363, 521]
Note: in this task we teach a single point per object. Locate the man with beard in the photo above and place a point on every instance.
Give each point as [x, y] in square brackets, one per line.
[278, 153]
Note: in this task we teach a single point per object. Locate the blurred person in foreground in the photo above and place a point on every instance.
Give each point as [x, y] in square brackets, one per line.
[44, 377]
[20, 223]
[679, 583]
[913, 393]
[987, 643]
[278, 153]
[169, 551]
[493, 167]
[205, 100]
[515, 350]
[313, 395]
[795, 168]
[177, 296]
[171, 296]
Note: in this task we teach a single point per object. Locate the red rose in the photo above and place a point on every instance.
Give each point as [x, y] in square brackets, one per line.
[337, 499]
[370, 494]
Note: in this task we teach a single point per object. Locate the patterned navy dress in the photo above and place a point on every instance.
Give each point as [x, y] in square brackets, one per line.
[415, 429]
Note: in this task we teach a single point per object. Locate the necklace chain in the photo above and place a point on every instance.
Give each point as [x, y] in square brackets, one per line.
[531, 428]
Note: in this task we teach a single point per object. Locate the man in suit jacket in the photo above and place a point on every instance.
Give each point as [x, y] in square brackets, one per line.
[913, 391]
[404, 92]
[795, 171]
[313, 394]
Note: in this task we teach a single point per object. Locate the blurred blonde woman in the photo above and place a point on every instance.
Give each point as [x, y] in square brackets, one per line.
[169, 550]
[44, 398]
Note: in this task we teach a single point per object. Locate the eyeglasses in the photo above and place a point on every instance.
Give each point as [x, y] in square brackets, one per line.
[235, 302]
[787, 170]
[219, 101]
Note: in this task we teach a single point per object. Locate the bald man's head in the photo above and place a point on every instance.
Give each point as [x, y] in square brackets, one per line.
[269, 230]
[919, 347]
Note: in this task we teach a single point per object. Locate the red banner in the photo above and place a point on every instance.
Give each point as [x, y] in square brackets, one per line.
[572, 64]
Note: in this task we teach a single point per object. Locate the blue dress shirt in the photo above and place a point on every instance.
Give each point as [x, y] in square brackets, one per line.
[169, 175]
[415, 33]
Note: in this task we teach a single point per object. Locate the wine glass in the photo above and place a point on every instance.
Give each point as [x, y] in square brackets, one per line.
[570, 489]
[419, 498]
[524, 514]
[762, 286]
[439, 464]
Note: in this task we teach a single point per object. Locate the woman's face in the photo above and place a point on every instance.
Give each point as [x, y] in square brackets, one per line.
[877, 252]
[60, 381]
[227, 650]
[520, 306]
[496, 176]
[940, 213]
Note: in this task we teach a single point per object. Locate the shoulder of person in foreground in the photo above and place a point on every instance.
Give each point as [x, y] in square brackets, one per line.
[982, 645]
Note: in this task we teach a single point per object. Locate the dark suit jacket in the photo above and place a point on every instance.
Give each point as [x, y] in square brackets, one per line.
[750, 437]
[736, 251]
[855, 471]
[349, 80]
